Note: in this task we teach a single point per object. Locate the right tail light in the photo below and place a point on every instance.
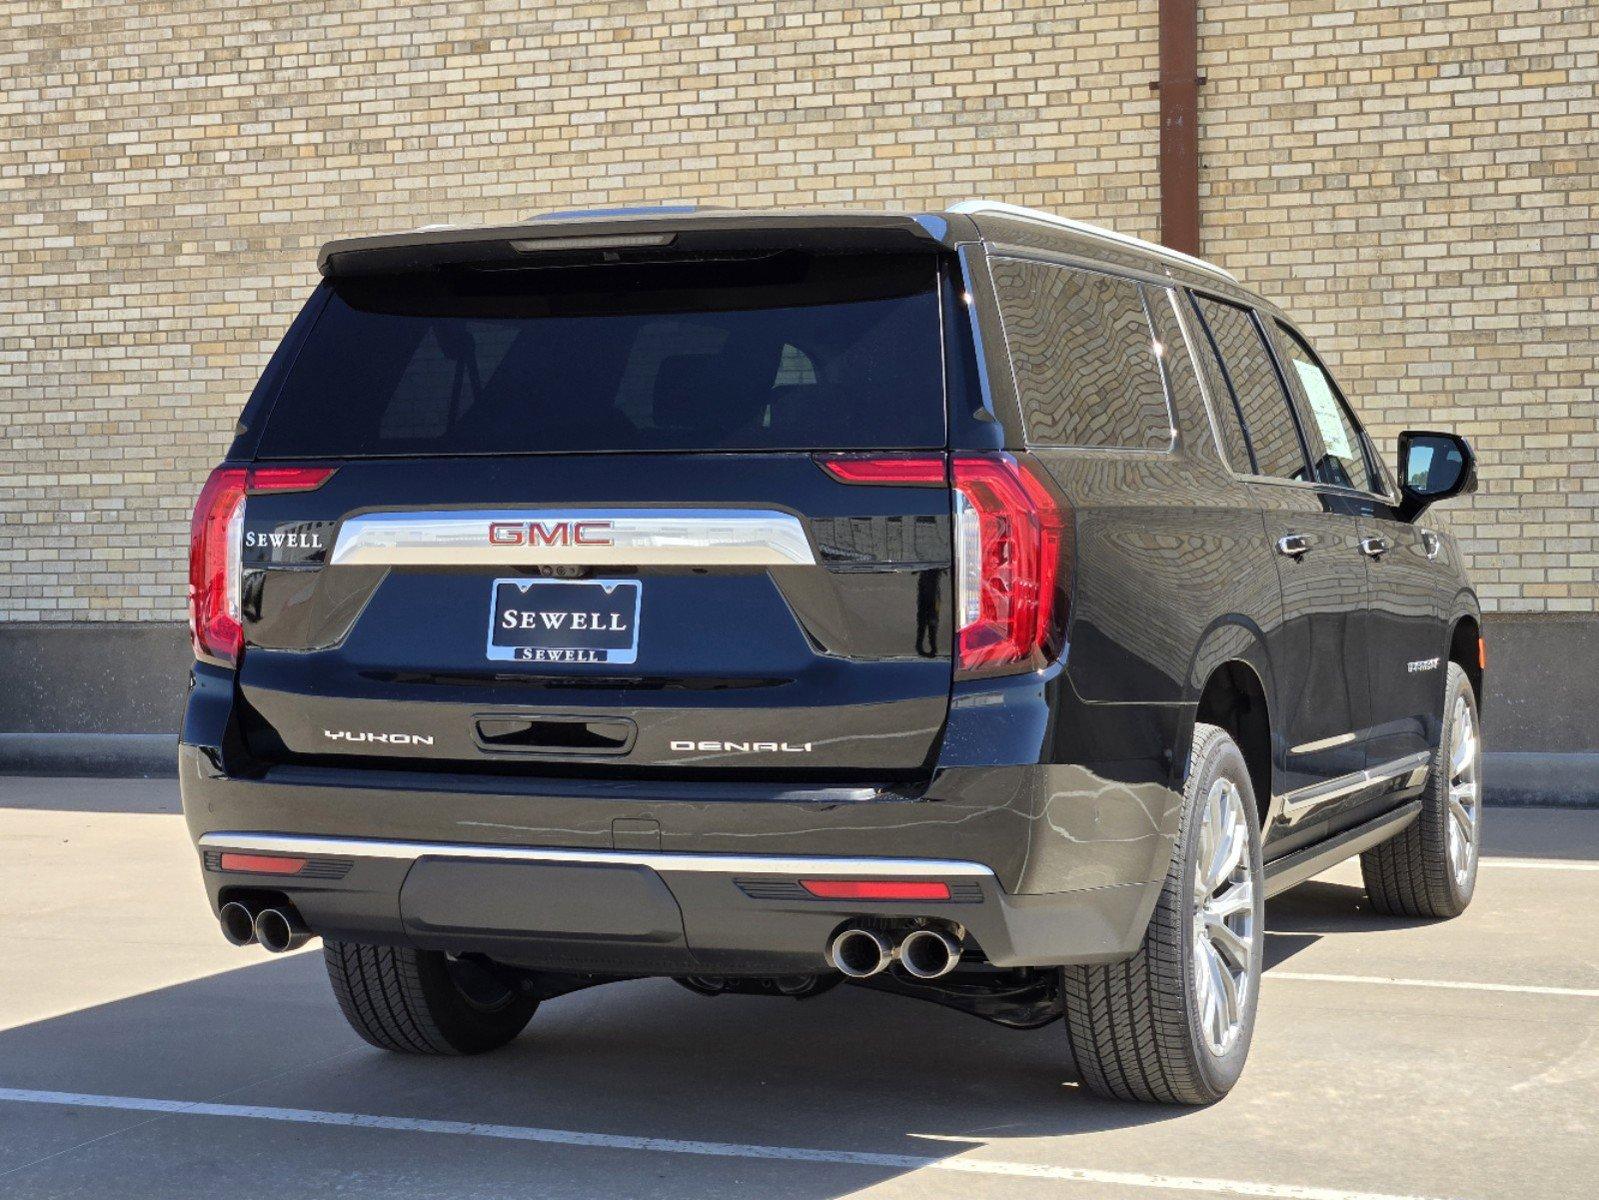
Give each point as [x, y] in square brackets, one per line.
[1012, 552]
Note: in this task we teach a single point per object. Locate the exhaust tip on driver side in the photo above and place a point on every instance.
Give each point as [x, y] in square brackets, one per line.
[238, 923]
[859, 953]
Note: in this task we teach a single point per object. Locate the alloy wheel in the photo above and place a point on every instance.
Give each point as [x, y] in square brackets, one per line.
[1223, 949]
[1465, 791]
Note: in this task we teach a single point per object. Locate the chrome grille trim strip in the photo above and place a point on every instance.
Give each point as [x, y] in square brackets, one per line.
[798, 865]
[699, 537]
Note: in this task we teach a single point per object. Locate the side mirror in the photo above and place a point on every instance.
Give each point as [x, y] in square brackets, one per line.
[1433, 467]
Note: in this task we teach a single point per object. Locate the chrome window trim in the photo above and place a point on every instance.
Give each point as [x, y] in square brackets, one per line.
[800, 866]
[1099, 232]
[1296, 805]
[746, 537]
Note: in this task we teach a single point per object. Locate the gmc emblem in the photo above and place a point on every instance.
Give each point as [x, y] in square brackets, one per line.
[550, 533]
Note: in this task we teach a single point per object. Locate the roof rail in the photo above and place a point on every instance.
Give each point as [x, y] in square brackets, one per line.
[1000, 208]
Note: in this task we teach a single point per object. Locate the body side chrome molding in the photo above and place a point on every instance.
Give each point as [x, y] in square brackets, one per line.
[1298, 804]
[746, 537]
[751, 864]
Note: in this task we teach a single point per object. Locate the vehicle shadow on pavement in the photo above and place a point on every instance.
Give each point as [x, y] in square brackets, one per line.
[850, 1070]
[1303, 915]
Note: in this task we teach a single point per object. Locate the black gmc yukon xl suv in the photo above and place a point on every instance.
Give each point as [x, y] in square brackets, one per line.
[975, 605]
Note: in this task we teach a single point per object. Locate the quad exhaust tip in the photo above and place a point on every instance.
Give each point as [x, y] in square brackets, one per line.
[238, 923]
[860, 953]
[280, 930]
[929, 954]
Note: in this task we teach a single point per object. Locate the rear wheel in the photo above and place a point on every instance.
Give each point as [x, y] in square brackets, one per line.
[1173, 1023]
[1430, 868]
[424, 1002]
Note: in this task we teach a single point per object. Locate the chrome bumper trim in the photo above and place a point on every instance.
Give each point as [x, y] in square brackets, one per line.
[745, 537]
[797, 865]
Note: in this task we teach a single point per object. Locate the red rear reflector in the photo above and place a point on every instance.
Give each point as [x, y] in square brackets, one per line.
[876, 889]
[262, 864]
[887, 470]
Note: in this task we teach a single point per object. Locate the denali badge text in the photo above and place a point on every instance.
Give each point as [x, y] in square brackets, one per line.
[745, 747]
[1416, 666]
[387, 739]
[550, 533]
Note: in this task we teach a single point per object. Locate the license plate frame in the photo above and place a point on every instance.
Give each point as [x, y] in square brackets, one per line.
[566, 643]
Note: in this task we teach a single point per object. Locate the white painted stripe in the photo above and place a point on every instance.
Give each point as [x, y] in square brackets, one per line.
[1525, 989]
[1539, 864]
[611, 1141]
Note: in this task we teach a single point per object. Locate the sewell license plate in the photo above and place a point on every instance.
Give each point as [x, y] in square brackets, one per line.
[564, 620]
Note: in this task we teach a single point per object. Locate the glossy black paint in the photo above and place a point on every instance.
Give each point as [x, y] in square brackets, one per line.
[1064, 781]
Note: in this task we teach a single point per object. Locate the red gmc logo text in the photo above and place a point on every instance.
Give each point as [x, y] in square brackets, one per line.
[550, 533]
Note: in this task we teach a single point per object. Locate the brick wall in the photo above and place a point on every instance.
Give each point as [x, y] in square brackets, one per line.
[1415, 181]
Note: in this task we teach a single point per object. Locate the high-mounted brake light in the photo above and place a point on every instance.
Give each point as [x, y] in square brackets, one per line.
[216, 551]
[876, 889]
[1011, 537]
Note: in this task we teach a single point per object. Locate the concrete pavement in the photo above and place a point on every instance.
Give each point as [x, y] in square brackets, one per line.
[1392, 1058]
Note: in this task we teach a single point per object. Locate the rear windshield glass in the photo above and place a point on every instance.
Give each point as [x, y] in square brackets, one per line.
[788, 351]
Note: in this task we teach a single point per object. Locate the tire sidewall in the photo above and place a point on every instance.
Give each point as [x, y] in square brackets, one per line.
[1458, 685]
[1220, 758]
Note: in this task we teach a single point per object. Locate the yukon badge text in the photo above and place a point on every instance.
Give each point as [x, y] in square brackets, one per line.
[386, 739]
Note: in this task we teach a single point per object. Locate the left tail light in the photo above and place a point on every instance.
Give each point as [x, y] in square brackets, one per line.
[216, 551]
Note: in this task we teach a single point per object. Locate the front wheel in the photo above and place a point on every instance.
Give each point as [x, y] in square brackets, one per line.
[424, 1002]
[1173, 1023]
[1430, 868]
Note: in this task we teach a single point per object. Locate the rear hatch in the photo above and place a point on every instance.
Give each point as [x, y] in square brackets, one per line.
[581, 519]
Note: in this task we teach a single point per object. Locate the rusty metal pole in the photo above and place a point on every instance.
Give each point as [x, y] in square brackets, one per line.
[1179, 124]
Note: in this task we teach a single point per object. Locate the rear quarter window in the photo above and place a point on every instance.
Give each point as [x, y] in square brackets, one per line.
[785, 351]
[1084, 357]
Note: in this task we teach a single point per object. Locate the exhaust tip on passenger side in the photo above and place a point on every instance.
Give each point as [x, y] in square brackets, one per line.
[929, 954]
[238, 923]
[279, 930]
[859, 953]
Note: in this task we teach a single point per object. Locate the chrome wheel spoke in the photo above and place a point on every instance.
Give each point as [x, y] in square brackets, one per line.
[1464, 796]
[1223, 951]
[1229, 944]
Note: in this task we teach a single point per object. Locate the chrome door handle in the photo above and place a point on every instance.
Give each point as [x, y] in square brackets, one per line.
[1294, 545]
[1375, 547]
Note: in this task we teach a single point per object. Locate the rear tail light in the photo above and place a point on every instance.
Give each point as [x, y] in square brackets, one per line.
[1011, 538]
[1012, 553]
[216, 551]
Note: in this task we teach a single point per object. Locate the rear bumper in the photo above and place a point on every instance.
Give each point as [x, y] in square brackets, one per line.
[1046, 864]
[636, 912]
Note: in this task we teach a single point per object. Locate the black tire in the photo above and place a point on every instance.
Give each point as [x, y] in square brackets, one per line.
[1410, 875]
[1135, 1026]
[420, 1002]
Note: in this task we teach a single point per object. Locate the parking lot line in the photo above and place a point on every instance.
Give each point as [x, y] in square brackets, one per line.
[1538, 864]
[1450, 984]
[609, 1141]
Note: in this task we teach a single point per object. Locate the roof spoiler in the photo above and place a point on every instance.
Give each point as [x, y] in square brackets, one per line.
[676, 230]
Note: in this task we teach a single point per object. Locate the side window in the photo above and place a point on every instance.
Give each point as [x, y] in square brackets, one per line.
[1084, 356]
[1269, 422]
[1343, 461]
[1229, 421]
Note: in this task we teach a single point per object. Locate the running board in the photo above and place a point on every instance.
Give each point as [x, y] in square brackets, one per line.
[1283, 873]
